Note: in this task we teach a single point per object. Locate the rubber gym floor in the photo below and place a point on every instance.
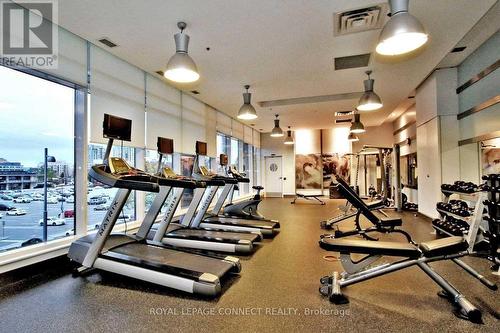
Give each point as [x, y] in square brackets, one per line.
[277, 290]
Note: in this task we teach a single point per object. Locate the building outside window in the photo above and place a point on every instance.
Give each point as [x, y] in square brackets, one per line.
[35, 114]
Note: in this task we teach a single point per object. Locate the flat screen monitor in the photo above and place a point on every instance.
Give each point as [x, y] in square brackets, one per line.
[117, 128]
[201, 148]
[165, 146]
[223, 159]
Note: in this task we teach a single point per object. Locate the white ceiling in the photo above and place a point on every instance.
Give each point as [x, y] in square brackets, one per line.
[283, 49]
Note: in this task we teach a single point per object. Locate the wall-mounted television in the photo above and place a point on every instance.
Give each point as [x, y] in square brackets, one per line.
[117, 128]
[165, 146]
[223, 160]
[201, 148]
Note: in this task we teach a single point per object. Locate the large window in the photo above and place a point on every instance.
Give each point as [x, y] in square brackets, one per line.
[244, 157]
[151, 166]
[223, 147]
[247, 167]
[100, 196]
[187, 162]
[35, 114]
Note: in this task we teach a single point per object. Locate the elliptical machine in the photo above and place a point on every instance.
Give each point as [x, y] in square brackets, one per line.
[246, 209]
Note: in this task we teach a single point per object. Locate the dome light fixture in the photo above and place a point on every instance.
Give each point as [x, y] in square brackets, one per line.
[289, 138]
[357, 126]
[369, 101]
[403, 32]
[247, 111]
[277, 132]
[181, 67]
[352, 137]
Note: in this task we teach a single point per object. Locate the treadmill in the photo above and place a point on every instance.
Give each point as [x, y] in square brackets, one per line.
[213, 220]
[131, 255]
[180, 234]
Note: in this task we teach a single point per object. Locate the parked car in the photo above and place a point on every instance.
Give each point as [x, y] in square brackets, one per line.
[37, 197]
[6, 197]
[70, 232]
[4, 207]
[69, 213]
[101, 207]
[124, 218]
[52, 200]
[22, 200]
[53, 220]
[16, 194]
[70, 199]
[16, 212]
[32, 241]
[1, 215]
[96, 201]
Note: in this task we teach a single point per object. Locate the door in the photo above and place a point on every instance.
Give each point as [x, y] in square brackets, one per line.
[274, 176]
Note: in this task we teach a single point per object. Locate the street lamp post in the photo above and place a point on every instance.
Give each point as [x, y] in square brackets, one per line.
[47, 159]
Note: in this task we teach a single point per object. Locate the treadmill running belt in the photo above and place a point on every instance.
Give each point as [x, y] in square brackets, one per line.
[240, 222]
[208, 235]
[168, 261]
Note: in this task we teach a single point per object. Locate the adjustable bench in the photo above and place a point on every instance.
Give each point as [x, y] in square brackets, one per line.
[349, 211]
[450, 248]
[384, 225]
[308, 197]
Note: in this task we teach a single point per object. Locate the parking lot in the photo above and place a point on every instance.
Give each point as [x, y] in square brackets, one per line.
[14, 230]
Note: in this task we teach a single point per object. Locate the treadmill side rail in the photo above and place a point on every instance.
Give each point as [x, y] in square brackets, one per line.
[107, 225]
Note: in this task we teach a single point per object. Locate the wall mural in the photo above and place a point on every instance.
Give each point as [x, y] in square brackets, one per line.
[334, 164]
[490, 158]
[308, 171]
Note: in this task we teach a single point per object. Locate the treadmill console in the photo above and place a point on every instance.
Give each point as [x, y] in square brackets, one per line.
[169, 173]
[205, 171]
[119, 166]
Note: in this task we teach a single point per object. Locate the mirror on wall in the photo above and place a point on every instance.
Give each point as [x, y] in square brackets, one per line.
[409, 174]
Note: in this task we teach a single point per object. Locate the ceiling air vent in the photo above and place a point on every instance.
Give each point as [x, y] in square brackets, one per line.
[360, 19]
[458, 49]
[195, 92]
[343, 113]
[343, 121]
[106, 41]
[159, 73]
[355, 61]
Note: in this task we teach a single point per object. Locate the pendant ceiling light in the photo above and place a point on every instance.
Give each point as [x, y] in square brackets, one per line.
[403, 33]
[277, 131]
[369, 101]
[352, 137]
[181, 68]
[289, 138]
[247, 111]
[357, 126]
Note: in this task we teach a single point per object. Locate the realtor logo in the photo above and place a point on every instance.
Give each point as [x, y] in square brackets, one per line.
[29, 33]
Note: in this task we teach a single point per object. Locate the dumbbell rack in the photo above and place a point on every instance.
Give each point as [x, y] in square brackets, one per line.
[493, 218]
[474, 220]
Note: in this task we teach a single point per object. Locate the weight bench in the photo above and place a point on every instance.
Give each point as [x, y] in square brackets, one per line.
[349, 211]
[380, 224]
[450, 248]
[308, 197]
